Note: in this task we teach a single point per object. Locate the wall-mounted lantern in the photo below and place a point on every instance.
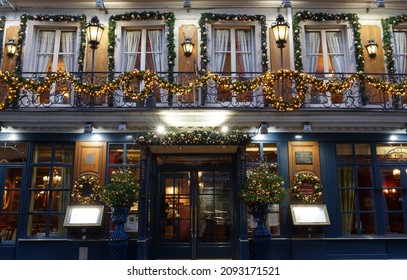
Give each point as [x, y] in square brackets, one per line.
[11, 47]
[187, 46]
[371, 48]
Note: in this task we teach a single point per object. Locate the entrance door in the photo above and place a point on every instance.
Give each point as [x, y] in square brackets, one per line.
[194, 214]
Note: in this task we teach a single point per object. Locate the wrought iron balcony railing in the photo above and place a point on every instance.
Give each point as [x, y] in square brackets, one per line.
[282, 90]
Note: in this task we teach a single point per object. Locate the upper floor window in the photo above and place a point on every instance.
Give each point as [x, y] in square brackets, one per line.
[327, 51]
[51, 48]
[400, 50]
[143, 49]
[233, 50]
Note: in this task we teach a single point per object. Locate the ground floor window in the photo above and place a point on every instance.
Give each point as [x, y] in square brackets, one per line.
[372, 183]
[124, 155]
[49, 189]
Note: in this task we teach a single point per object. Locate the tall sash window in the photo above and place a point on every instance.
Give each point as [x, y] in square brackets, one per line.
[55, 50]
[325, 52]
[143, 49]
[233, 50]
[400, 51]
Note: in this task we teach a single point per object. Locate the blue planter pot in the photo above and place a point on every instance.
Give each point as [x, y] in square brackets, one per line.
[261, 237]
[119, 240]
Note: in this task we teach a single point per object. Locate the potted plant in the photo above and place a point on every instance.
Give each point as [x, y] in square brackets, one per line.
[121, 193]
[123, 189]
[263, 187]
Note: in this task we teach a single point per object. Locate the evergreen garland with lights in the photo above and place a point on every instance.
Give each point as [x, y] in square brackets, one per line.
[81, 19]
[2, 24]
[387, 24]
[195, 137]
[302, 81]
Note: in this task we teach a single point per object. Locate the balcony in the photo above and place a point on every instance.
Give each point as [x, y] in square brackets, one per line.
[282, 90]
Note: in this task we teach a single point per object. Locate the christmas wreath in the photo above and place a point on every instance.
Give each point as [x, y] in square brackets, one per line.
[86, 189]
[312, 194]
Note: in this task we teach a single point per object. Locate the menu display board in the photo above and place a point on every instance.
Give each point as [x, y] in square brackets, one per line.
[83, 216]
[309, 214]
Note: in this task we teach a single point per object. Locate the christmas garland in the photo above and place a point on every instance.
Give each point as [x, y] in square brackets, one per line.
[2, 24]
[308, 178]
[51, 18]
[208, 18]
[302, 81]
[85, 182]
[195, 137]
[387, 24]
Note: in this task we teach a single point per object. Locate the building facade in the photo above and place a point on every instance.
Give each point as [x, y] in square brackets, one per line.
[73, 110]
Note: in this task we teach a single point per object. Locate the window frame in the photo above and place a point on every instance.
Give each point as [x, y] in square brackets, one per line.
[379, 210]
[236, 25]
[31, 45]
[48, 213]
[143, 25]
[347, 36]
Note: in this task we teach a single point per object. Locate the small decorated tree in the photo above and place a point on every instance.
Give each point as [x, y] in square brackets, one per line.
[263, 187]
[123, 190]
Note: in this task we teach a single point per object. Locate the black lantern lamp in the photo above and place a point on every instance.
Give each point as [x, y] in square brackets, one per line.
[11, 47]
[94, 32]
[371, 48]
[187, 46]
[280, 30]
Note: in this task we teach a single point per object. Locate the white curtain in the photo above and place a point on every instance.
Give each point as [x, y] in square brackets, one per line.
[313, 41]
[132, 48]
[45, 50]
[68, 50]
[154, 37]
[336, 51]
[245, 50]
[400, 52]
[221, 44]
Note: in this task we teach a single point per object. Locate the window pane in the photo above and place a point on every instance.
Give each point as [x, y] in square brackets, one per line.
[391, 153]
[64, 153]
[344, 152]
[395, 223]
[253, 152]
[42, 153]
[133, 154]
[363, 152]
[392, 199]
[390, 178]
[116, 154]
[348, 223]
[366, 200]
[57, 226]
[365, 177]
[36, 226]
[368, 223]
[13, 152]
[345, 177]
[270, 153]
